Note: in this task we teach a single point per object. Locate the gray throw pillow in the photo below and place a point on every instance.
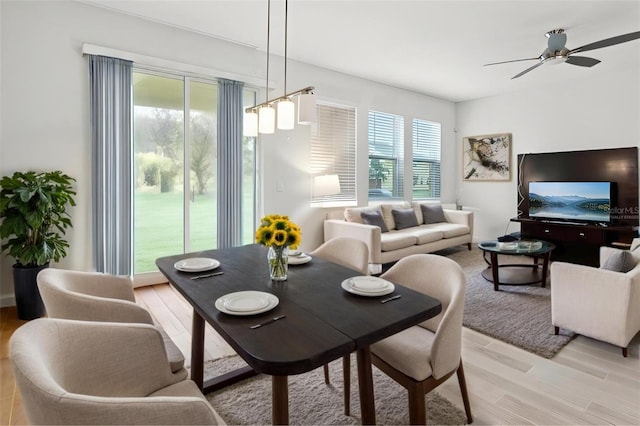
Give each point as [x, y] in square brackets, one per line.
[405, 218]
[374, 218]
[620, 261]
[432, 213]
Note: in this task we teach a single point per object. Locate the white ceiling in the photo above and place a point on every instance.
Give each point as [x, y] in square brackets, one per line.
[427, 46]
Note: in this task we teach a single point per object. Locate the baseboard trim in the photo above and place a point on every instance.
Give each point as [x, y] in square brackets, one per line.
[7, 300]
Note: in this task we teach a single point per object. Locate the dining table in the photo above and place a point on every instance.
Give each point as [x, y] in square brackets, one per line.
[314, 321]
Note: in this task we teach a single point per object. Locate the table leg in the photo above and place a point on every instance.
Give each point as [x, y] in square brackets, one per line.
[365, 383]
[197, 349]
[545, 268]
[279, 400]
[495, 270]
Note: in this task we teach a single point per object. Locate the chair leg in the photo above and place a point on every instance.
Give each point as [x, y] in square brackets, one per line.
[326, 374]
[417, 405]
[624, 352]
[346, 373]
[556, 330]
[469, 246]
[465, 395]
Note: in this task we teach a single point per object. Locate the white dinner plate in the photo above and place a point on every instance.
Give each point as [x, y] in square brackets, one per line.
[196, 264]
[368, 286]
[298, 260]
[246, 303]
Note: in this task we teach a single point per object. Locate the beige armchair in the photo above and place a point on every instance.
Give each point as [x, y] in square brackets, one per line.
[80, 372]
[92, 296]
[422, 357]
[597, 303]
[354, 254]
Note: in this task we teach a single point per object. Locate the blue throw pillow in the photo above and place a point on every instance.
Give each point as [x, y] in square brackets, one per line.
[620, 261]
[374, 218]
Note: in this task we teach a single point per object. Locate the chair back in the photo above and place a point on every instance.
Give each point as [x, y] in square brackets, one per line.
[442, 279]
[89, 296]
[348, 252]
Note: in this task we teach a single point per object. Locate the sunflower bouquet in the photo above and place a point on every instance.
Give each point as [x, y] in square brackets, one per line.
[278, 233]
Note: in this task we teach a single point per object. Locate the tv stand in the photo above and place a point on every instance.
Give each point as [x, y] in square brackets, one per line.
[576, 242]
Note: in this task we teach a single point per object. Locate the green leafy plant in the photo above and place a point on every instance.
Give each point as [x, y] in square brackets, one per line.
[33, 209]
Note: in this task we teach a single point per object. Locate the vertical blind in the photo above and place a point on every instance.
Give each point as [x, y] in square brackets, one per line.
[333, 149]
[386, 142]
[426, 158]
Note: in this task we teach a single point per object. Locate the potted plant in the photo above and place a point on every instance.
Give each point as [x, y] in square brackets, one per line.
[33, 209]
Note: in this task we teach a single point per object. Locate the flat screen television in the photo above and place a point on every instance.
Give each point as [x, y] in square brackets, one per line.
[571, 201]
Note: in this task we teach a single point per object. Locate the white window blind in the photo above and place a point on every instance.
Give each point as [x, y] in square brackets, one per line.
[333, 151]
[386, 155]
[426, 159]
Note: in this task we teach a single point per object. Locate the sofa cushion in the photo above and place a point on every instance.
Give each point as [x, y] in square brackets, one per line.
[425, 234]
[405, 218]
[449, 230]
[620, 261]
[395, 240]
[387, 214]
[432, 213]
[352, 214]
[374, 218]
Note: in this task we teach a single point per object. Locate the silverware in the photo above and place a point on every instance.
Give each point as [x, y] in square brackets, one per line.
[197, 277]
[269, 321]
[389, 299]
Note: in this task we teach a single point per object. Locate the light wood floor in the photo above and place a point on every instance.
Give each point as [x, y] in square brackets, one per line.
[588, 382]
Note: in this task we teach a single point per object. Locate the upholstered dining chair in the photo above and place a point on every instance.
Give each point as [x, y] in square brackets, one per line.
[353, 254]
[422, 357]
[93, 296]
[85, 372]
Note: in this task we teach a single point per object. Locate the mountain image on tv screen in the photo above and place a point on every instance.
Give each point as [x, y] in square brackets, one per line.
[579, 201]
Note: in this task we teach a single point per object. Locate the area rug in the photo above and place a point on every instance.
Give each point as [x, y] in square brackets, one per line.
[518, 315]
[312, 402]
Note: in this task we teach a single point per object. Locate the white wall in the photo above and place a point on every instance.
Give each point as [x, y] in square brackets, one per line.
[601, 111]
[45, 108]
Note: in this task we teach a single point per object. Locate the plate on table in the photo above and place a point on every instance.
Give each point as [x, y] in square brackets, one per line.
[299, 259]
[196, 264]
[246, 303]
[368, 286]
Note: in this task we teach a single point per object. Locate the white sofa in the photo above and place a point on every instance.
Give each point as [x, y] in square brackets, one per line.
[386, 247]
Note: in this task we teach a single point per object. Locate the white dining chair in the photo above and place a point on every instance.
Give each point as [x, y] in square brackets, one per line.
[353, 254]
[424, 356]
[93, 296]
[97, 373]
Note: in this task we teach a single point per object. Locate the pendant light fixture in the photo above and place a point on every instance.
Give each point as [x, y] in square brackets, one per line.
[264, 113]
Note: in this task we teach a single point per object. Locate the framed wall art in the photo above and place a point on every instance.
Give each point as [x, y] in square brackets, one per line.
[486, 157]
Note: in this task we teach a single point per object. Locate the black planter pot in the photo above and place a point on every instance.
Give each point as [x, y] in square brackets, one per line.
[25, 287]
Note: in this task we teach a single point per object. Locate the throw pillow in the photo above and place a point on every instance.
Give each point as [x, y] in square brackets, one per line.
[620, 261]
[432, 213]
[374, 218]
[405, 218]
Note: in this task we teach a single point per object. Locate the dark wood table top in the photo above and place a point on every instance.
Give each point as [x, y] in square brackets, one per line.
[323, 322]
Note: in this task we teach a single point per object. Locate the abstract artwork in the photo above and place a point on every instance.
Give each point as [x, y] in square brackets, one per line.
[486, 157]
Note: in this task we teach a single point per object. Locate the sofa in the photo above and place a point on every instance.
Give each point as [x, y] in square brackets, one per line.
[405, 229]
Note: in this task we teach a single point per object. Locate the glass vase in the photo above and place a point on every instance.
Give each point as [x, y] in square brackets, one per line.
[278, 262]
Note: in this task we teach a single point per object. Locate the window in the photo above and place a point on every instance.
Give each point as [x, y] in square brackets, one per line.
[426, 159]
[175, 167]
[333, 151]
[386, 155]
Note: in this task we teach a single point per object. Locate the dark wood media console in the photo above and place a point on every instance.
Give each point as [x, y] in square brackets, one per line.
[577, 243]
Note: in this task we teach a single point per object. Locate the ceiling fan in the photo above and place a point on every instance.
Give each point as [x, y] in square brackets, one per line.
[556, 52]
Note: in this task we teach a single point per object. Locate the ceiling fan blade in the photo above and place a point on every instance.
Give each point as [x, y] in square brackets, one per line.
[582, 61]
[607, 42]
[515, 60]
[527, 70]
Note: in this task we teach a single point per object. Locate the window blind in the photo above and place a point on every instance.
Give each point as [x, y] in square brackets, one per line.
[426, 158]
[333, 150]
[386, 154]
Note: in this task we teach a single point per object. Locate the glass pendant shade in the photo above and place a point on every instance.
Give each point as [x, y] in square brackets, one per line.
[266, 119]
[307, 109]
[286, 115]
[250, 124]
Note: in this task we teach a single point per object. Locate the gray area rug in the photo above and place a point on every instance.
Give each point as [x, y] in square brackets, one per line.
[519, 315]
[312, 402]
